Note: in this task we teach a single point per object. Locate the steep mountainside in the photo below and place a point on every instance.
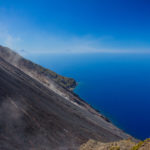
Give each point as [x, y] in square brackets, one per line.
[35, 116]
[43, 74]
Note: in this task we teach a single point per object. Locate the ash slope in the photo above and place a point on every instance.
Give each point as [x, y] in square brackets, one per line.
[44, 75]
[32, 116]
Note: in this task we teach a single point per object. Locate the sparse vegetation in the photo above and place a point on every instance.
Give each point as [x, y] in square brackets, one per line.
[136, 147]
[140, 144]
[115, 148]
[65, 82]
[118, 145]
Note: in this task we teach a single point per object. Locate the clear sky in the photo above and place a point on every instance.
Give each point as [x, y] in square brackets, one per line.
[76, 26]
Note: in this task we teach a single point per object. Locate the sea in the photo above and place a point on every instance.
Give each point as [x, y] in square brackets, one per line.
[118, 85]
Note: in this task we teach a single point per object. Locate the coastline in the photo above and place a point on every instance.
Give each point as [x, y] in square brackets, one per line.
[106, 116]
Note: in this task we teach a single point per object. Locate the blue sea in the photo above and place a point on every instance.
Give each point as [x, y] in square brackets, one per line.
[116, 84]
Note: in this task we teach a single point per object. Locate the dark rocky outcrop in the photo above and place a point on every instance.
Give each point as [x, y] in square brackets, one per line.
[38, 116]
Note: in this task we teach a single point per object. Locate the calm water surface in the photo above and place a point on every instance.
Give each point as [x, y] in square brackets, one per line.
[116, 84]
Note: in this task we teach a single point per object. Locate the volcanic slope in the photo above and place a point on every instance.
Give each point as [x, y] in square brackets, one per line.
[32, 116]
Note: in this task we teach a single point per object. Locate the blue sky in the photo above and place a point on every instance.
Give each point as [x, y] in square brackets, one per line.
[76, 26]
